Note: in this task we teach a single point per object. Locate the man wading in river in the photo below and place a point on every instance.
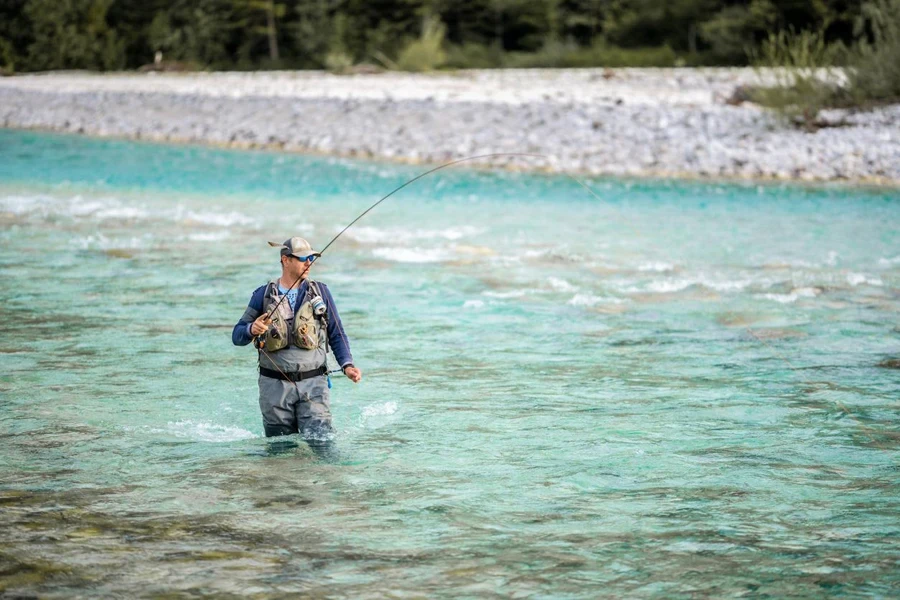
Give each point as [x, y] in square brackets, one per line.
[293, 344]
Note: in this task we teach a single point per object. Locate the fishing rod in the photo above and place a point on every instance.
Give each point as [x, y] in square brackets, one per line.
[317, 255]
[259, 341]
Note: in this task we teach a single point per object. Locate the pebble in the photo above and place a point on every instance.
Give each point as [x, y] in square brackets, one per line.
[663, 122]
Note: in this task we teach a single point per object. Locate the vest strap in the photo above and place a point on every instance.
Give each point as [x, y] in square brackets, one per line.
[296, 376]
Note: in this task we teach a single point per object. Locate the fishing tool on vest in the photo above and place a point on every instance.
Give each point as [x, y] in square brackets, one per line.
[318, 306]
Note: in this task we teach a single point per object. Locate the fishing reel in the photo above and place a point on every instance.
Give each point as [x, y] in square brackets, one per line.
[318, 306]
[259, 342]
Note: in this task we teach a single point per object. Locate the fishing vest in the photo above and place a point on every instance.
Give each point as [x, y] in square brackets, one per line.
[303, 329]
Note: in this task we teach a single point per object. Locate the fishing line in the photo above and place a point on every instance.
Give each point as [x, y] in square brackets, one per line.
[317, 255]
[259, 340]
[587, 188]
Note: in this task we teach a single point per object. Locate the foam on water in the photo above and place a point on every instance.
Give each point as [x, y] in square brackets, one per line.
[379, 410]
[592, 300]
[718, 283]
[856, 279]
[793, 296]
[414, 255]
[218, 219]
[507, 294]
[207, 432]
[209, 236]
[561, 285]
[100, 209]
[377, 416]
[656, 267]
[77, 206]
[394, 236]
[17, 204]
[101, 242]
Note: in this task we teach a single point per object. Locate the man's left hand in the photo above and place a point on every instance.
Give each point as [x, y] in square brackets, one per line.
[353, 374]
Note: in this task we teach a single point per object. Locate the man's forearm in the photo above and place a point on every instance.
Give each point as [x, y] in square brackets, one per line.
[241, 335]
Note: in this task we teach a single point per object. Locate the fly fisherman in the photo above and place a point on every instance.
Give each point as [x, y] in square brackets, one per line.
[292, 345]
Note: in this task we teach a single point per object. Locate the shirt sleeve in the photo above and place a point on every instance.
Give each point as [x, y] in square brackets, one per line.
[240, 335]
[337, 339]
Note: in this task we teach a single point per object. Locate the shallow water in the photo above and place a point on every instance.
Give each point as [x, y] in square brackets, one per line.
[677, 390]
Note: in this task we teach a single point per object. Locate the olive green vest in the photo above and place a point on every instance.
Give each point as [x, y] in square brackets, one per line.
[294, 342]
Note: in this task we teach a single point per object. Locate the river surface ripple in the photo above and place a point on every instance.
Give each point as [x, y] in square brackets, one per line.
[677, 390]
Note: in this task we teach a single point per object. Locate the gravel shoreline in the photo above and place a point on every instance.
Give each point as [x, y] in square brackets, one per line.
[634, 122]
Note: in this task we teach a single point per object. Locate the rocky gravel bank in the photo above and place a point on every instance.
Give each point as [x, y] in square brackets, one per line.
[639, 122]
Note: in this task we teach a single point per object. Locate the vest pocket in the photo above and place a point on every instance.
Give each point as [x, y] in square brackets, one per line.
[277, 335]
[306, 328]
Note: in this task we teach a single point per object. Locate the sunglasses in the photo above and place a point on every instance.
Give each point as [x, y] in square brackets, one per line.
[310, 258]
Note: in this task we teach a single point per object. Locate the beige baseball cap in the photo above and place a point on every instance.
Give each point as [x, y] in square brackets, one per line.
[296, 246]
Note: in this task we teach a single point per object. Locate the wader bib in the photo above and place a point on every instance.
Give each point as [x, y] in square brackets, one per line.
[295, 346]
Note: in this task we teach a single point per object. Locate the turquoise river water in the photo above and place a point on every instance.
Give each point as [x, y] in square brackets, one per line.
[675, 390]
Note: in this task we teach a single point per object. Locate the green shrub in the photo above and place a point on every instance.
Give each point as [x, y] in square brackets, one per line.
[474, 56]
[427, 52]
[801, 101]
[613, 56]
[568, 55]
[806, 77]
[804, 53]
[553, 54]
[7, 57]
[874, 73]
[735, 28]
[338, 61]
[72, 35]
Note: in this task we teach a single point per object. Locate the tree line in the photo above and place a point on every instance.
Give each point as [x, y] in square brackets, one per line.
[38, 35]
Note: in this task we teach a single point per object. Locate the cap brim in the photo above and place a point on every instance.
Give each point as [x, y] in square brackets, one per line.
[310, 253]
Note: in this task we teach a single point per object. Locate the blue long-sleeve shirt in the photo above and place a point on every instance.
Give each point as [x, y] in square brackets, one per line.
[337, 339]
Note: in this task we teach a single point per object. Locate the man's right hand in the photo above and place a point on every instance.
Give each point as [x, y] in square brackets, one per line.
[260, 325]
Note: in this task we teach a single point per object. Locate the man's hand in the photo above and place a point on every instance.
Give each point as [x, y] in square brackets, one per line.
[353, 374]
[260, 325]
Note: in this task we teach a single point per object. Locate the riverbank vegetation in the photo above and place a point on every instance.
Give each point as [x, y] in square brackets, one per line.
[262, 34]
[814, 73]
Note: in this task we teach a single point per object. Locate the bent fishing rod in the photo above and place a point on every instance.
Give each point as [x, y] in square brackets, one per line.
[315, 256]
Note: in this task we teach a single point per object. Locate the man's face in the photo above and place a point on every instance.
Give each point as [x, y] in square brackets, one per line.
[293, 266]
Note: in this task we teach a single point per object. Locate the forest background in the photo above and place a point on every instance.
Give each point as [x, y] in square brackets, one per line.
[37, 35]
[838, 53]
